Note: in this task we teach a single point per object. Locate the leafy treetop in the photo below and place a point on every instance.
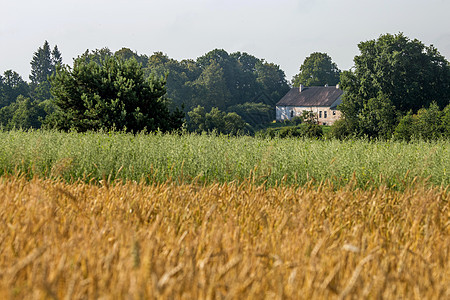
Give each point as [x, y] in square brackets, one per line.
[110, 93]
[317, 70]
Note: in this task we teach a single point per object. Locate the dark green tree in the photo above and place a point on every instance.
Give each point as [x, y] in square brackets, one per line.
[271, 80]
[377, 118]
[110, 94]
[446, 120]
[2, 92]
[317, 70]
[428, 124]
[255, 114]
[215, 121]
[219, 79]
[56, 58]
[97, 55]
[246, 77]
[234, 124]
[43, 65]
[401, 74]
[246, 85]
[23, 113]
[126, 53]
[11, 86]
[179, 78]
[229, 66]
[211, 88]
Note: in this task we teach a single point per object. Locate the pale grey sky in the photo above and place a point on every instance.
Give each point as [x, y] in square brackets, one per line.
[284, 32]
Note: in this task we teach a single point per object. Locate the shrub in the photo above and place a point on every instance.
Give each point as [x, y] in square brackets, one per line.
[427, 124]
[340, 129]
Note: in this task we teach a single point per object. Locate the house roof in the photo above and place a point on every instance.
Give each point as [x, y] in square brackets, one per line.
[312, 96]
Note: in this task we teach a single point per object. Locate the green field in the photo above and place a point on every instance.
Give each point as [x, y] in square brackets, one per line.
[207, 158]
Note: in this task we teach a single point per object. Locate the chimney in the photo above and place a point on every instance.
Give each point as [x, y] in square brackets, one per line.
[301, 87]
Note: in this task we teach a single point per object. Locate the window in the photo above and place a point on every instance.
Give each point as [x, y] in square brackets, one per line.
[334, 112]
[320, 114]
[325, 114]
[292, 113]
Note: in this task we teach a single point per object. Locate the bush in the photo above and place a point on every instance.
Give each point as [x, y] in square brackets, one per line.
[405, 128]
[304, 130]
[340, 130]
[311, 130]
[427, 124]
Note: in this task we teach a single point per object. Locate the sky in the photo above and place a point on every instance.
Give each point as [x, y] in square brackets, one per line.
[284, 32]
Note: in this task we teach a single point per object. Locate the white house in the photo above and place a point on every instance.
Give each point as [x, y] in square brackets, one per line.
[322, 100]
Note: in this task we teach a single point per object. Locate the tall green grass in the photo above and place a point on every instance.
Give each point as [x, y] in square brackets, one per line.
[207, 158]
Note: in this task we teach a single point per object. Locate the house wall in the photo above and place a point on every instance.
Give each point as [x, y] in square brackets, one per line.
[288, 112]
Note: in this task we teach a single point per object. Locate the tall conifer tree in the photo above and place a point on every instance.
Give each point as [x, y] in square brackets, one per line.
[41, 64]
[56, 58]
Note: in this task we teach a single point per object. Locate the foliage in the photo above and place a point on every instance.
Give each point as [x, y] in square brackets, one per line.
[179, 77]
[305, 126]
[309, 117]
[215, 121]
[43, 65]
[56, 58]
[126, 54]
[446, 120]
[23, 113]
[378, 117]
[210, 88]
[98, 55]
[311, 130]
[304, 130]
[427, 124]
[271, 80]
[255, 114]
[392, 76]
[317, 70]
[340, 129]
[11, 86]
[236, 82]
[219, 79]
[110, 94]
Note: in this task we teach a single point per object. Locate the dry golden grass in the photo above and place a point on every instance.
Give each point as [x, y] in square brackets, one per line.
[223, 241]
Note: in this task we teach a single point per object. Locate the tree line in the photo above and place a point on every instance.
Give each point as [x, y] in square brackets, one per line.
[241, 87]
[398, 87]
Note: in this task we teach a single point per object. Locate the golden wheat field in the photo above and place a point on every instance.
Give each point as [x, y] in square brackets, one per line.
[221, 241]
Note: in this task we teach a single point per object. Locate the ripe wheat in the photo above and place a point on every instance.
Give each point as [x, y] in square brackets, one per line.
[226, 241]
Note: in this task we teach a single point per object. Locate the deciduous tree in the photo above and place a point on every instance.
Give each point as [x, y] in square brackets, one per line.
[215, 121]
[110, 94]
[11, 86]
[392, 76]
[317, 70]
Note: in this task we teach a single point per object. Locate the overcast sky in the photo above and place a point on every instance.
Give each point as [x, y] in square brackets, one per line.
[284, 32]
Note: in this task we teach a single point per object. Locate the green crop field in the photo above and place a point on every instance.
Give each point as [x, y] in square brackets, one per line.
[208, 159]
